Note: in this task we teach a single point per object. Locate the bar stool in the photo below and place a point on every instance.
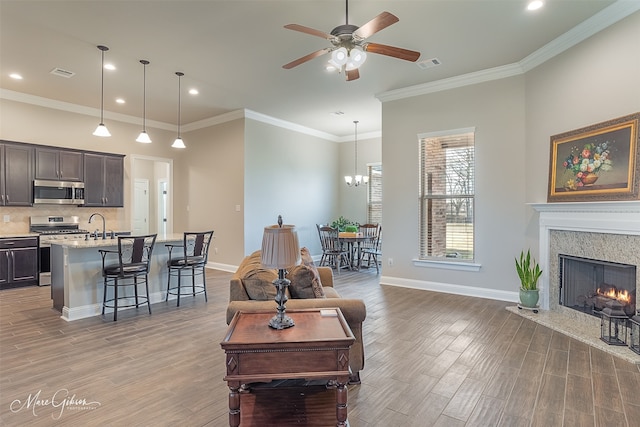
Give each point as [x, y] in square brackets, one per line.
[131, 270]
[191, 263]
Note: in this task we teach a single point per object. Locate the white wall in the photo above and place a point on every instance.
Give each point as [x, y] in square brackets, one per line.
[496, 110]
[288, 174]
[597, 80]
[353, 200]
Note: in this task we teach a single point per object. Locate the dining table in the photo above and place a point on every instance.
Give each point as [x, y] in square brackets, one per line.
[354, 242]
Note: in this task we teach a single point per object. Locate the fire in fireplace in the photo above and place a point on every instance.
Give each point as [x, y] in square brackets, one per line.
[587, 285]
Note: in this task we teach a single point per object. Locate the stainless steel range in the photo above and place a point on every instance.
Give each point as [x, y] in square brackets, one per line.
[52, 228]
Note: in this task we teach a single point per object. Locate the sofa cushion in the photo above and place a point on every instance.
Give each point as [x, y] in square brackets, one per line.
[305, 280]
[257, 281]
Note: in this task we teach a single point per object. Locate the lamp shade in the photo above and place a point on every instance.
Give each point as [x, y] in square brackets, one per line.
[280, 247]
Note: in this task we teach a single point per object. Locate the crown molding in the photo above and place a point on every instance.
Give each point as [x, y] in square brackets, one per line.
[598, 22]
[289, 125]
[481, 76]
[603, 19]
[78, 109]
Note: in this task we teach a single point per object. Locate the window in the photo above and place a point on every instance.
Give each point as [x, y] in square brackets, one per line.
[374, 194]
[447, 195]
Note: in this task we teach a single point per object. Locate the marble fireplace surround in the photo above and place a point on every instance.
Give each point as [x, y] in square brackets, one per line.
[599, 230]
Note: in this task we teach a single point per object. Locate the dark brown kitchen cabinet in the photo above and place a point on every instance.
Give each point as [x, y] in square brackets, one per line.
[103, 180]
[18, 261]
[58, 165]
[16, 174]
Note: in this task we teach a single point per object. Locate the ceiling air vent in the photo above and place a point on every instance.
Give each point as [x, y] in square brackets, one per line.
[62, 73]
[428, 63]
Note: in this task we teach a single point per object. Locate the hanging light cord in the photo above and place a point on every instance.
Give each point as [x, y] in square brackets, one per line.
[144, 95]
[102, 87]
[179, 74]
[355, 165]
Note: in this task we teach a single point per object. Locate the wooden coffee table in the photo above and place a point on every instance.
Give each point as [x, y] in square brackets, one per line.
[316, 348]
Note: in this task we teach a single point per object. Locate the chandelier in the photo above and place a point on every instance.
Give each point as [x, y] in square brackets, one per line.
[356, 179]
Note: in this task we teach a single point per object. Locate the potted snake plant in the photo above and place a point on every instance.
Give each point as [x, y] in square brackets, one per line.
[529, 272]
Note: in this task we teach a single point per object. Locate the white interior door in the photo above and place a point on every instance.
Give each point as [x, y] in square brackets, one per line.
[141, 207]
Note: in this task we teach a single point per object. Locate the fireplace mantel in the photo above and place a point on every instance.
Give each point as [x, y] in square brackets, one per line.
[595, 217]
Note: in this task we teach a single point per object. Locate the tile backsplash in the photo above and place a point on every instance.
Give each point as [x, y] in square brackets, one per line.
[19, 217]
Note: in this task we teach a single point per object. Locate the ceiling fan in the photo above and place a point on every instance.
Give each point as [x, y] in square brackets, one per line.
[349, 45]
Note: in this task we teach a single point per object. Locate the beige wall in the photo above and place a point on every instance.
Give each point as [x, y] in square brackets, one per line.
[29, 123]
[209, 184]
[594, 81]
[288, 174]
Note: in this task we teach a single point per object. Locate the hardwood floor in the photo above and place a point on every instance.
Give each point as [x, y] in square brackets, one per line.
[431, 360]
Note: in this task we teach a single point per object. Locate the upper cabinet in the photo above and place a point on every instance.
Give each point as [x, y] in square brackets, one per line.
[16, 174]
[103, 180]
[58, 165]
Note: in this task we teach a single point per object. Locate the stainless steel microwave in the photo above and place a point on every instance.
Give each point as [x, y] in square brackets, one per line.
[58, 192]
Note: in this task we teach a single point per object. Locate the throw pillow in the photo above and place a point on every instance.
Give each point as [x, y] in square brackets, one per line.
[258, 281]
[305, 279]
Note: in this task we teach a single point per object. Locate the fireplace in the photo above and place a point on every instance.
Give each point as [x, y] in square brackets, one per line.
[603, 231]
[588, 285]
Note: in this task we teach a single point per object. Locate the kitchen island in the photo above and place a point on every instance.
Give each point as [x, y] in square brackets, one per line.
[76, 274]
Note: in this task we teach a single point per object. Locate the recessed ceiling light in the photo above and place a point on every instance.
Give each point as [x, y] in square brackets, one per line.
[120, 101]
[535, 4]
[193, 91]
[15, 76]
[109, 67]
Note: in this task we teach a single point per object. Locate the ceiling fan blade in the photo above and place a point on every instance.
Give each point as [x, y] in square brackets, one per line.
[378, 23]
[352, 74]
[306, 58]
[395, 52]
[311, 31]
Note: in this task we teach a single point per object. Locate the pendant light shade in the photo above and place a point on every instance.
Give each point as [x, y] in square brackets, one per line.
[356, 180]
[144, 136]
[178, 143]
[102, 130]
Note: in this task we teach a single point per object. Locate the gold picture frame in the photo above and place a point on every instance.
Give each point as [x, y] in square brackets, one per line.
[596, 163]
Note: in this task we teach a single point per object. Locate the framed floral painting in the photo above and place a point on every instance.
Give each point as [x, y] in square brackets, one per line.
[596, 163]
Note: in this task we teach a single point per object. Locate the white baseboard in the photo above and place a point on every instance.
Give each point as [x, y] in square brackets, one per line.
[451, 288]
[90, 310]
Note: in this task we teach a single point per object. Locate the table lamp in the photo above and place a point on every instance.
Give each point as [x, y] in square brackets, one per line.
[280, 250]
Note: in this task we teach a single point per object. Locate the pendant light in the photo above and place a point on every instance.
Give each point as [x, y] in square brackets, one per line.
[178, 143]
[144, 136]
[356, 179]
[102, 130]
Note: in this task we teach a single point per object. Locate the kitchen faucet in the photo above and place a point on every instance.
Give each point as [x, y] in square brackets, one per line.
[104, 233]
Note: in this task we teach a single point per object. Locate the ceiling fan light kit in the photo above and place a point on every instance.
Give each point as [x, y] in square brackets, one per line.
[349, 50]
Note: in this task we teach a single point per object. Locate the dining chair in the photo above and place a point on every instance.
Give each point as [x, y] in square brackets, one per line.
[191, 263]
[333, 252]
[131, 270]
[371, 248]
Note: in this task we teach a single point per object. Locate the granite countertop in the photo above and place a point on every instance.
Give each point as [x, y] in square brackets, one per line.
[92, 243]
[14, 235]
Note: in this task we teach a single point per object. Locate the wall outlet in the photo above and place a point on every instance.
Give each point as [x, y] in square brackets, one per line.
[390, 262]
[7, 218]
[215, 251]
[237, 208]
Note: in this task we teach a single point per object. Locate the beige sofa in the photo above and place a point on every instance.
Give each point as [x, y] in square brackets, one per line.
[353, 310]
